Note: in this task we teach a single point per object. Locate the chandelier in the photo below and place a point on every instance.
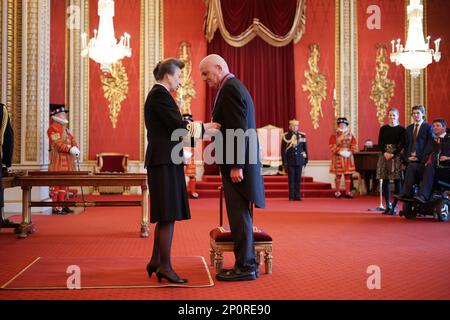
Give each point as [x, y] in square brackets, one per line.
[417, 54]
[103, 47]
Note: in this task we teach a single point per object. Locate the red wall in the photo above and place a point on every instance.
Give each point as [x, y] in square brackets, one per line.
[183, 21]
[126, 136]
[57, 51]
[392, 26]
[320, 26]
[438, 75]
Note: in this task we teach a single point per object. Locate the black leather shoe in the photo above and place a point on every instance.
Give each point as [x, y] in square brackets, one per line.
[57, 211]
[150, 269]
[228, 270]
[298, 199]
[387, 210]
[392, 212]
[236, 275]
[8, 224]
[171, 278]
[67, 210]
[420, 198]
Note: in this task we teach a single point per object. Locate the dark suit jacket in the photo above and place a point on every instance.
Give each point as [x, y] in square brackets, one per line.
[435, 150]
[234, 110]
[162, 117]
[424, 136]
[7, 150]
[293, 156]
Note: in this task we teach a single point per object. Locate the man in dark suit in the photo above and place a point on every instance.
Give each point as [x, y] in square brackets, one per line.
[418, 135]
[6, 147]
[241, 169]
[294, 154]
[438, 151]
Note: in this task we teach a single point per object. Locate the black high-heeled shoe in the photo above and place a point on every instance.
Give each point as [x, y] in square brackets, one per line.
[161, 275]
[151, 269]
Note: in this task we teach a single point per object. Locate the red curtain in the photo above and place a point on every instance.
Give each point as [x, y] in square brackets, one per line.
[267, 71]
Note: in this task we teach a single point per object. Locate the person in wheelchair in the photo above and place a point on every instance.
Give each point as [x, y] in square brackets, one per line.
[438, 161]
[418, 136]
[433, 195]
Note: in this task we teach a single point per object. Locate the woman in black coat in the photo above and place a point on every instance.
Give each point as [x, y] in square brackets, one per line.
[391, 141]
[165, 167]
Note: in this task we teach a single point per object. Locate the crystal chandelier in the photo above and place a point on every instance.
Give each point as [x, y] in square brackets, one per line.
[417, 54]
[103, 47]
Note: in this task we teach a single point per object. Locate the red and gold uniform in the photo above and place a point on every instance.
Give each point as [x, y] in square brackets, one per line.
[61, 141]
[342, 146]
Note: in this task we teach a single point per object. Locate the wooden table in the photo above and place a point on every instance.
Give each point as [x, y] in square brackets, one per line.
[8, 181]
[80, 179]
[366, 165]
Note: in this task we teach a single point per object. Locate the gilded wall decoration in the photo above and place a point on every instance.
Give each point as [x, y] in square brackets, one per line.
[316, 85]
[115, 88]
[186, 91]
[382, 88]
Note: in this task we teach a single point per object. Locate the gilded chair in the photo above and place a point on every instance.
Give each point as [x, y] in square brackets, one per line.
[270, 148]
[110, 162]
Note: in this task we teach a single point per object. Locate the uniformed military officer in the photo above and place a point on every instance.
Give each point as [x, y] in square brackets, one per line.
[294, 154]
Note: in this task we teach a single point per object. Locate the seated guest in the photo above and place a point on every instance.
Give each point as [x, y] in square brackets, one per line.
[418, 136]
[439, 154]
[391, 141]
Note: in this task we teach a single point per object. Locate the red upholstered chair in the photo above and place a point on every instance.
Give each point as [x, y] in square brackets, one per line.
[109, 162]
[221, 241]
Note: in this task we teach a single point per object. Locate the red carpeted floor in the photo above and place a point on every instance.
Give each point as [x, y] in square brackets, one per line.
[322, 250]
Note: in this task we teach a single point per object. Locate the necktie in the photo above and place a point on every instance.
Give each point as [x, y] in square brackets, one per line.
[415, 132]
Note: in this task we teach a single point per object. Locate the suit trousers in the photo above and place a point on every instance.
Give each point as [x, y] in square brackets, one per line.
[426, 187]
[414, 173]
[294, 176]
[241, 225]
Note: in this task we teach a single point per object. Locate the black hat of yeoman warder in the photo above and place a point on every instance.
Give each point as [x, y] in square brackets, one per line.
[342, 120]
[57, 108]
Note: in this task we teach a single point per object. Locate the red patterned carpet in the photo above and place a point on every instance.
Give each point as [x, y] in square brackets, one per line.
[322, 250]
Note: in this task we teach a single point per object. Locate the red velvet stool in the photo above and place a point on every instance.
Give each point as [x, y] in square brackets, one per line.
[221, 241]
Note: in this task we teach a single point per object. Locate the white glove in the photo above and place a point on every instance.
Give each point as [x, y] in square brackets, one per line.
[345, 153]
[74, 151]
[187, 154]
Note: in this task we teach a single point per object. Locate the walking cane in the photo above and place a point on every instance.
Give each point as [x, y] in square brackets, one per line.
[82, 192]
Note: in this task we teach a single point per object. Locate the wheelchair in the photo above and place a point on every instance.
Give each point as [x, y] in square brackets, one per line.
[439, 204]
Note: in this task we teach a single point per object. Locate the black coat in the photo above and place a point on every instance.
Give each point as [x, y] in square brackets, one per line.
[292, 156]
[234, 110]
[7, 150]
[162, 118]
[424, 137]
[435, 150]
[167, 186]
